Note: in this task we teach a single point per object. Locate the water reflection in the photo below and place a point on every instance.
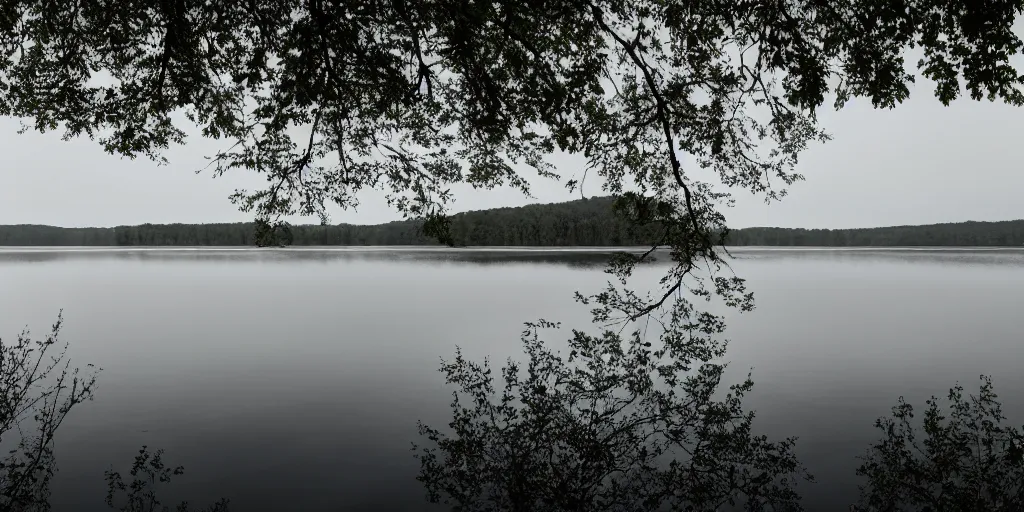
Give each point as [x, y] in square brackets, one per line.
[571, 257]
[913, 256]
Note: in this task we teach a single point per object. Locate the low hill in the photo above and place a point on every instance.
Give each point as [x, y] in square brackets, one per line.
[584, 222]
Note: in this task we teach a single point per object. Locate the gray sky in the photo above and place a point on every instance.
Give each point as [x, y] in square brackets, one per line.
[918, 164]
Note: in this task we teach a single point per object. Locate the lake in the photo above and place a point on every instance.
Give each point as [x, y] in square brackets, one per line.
[293, 379]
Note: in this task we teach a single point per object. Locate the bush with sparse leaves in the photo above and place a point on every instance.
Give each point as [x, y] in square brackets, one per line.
[967, 459]
[38, 388]
[621, 423]
[139, 495]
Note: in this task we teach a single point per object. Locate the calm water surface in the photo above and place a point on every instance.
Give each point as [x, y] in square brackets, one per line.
[293, 379]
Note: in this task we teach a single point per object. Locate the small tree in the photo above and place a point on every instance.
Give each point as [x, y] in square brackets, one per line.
[967, 461]
[139, 495]
[619, 424]
[38, 388]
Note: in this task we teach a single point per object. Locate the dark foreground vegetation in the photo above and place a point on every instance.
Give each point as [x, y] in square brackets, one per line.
[585, 222]
[611, 426]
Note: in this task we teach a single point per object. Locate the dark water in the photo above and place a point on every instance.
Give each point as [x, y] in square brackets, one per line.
[293, 379]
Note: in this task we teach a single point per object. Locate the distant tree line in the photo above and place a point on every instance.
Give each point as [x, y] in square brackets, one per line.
[585, 222]
[993, 234]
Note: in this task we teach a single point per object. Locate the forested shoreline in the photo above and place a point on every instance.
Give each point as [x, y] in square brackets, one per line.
[584, 222]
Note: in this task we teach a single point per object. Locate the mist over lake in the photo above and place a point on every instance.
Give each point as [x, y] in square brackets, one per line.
[293, 379]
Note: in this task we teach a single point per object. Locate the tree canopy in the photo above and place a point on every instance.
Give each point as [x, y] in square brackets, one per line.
[326, 98]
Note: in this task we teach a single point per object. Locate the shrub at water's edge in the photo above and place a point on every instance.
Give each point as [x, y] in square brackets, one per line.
[962, 457]
[38, 389]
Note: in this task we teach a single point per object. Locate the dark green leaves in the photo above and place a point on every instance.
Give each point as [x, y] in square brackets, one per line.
[961, 458]
[326, 98]
[620, 424]
[498, 84]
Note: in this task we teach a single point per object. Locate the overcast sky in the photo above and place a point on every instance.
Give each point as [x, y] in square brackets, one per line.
[920, 163]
